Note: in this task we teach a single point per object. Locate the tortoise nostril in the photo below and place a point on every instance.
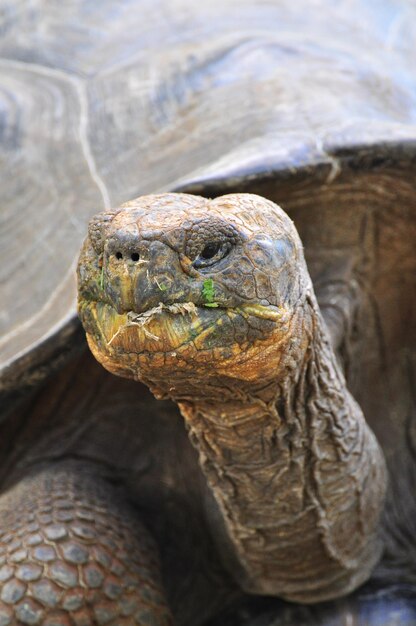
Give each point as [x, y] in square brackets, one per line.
[135, 256]
[119, 255]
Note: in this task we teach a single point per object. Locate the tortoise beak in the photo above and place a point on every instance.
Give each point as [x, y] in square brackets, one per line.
[140, 280]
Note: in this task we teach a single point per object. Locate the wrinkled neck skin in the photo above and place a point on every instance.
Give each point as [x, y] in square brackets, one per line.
[297, 475]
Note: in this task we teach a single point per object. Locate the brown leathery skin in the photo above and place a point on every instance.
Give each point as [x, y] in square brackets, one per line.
[72, 553]
[239, 343]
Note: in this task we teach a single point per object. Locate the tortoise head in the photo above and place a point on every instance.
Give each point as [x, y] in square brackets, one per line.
[175, 287]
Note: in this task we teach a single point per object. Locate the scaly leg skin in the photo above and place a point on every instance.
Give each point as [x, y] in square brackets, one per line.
[72, 553]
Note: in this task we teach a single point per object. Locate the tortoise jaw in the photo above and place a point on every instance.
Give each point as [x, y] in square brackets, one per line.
[174, 340]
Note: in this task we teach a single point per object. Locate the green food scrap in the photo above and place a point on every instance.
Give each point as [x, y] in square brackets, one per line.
[160, 286]
[101, 281]
[208, 292]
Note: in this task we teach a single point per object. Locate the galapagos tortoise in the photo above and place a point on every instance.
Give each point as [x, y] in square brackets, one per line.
[308, 106]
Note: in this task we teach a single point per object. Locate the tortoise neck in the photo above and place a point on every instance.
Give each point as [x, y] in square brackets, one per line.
[294, 469]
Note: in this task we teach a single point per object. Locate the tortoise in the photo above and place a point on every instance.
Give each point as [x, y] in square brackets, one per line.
[209, 303]
[306, 107]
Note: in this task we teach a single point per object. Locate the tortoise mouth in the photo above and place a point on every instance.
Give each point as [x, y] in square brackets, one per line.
[169, 342]
[170, 326]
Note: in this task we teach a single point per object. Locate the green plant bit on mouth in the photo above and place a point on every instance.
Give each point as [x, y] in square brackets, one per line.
[161, 286]
[208, 292]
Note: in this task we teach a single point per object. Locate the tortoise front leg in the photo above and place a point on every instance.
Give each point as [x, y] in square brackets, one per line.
[72, 552]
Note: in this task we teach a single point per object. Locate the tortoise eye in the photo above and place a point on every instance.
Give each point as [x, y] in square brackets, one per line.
[211, 253]
[209, 240]
[210, 250]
